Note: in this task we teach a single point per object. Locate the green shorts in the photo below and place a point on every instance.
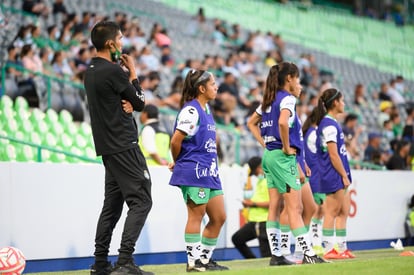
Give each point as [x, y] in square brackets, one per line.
[319, 198]
[281, 171]
[199, 195]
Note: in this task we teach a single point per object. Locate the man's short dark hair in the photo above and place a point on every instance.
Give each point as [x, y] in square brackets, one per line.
[151, 110]
[350, 117]
[102, 32]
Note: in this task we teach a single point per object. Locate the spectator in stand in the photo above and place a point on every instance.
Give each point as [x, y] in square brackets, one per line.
[280, 43]
[387, 135]
[226, 100]
[373, 152]
[385, 112]
[83, 26]
[66, 33]
[304, 66]
[32, 62]
[59, 7]
[30, 59]
[350, 127]
[81, 61]
[173, 99]
[400, 160]
[383, 92]
[148, 60]
[23, 36]
[162, 39]
[149, 84]
[399, 84]
[408, 131]
[395, 94]
[397, 126]
[359, 96]
[44, 55]
[61, 66]
[35, 7]
[13, 74]
[166, 58]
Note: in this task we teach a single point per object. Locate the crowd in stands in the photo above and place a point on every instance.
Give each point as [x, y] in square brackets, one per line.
[63, 51]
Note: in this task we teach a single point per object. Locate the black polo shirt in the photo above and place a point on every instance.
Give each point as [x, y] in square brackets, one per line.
[106, 84]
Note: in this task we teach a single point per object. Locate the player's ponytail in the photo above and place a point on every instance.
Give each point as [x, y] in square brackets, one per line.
[276, 80]
[193, 80]
[325, 102]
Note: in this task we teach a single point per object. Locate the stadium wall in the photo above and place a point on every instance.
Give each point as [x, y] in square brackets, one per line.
[49, 211]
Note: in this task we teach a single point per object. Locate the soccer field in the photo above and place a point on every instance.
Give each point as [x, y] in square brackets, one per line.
[384, 261]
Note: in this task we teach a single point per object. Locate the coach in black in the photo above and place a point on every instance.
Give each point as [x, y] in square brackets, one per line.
[113, 91]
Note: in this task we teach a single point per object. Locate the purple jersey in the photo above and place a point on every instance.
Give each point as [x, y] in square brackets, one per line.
[330, 131]
[197, 163]
[269, 126]
[312, 159]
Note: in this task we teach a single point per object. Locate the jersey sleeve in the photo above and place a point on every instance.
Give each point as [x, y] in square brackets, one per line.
[288, 102]
[259, 110]
[330, 134]
[187, 120]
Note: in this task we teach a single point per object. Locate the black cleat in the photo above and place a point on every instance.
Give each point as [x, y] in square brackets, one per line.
[280, 260]
[197, 267]
[106, 270]
[313, 260]
[129, 269]
[213, 266]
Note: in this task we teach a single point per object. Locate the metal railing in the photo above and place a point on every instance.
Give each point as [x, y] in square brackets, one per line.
[47, 78]
[40, 148]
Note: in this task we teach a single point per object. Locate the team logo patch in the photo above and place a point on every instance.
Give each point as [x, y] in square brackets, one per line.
[201, 193]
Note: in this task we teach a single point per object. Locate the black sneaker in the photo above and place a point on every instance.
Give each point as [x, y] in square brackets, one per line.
[197, 267]
[129, 269]
[101, 271]
[280, 260]
[213, 266]
[315, 259]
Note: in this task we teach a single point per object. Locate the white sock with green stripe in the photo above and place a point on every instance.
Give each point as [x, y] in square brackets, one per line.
[316, 229]
[285, 239]
[302, 239]
[192, 244]
[273, 235]
[328, 239]
[207, 247]
[341, 239]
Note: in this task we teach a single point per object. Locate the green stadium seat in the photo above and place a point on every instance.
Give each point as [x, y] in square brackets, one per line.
[11, 127]
[56, 128]
[26, 126]
[35, 138]
[85, 129]
[20, 103]
[36, 116]
[80, 141]
[49, 140]
[6, 102]
[65, 117]
[26, 153]
[57, 157]
[8, 153]
[65, 141]
[51, 117]
[41, 127]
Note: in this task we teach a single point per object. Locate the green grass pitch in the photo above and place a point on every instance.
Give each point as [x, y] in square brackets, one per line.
[383, 261]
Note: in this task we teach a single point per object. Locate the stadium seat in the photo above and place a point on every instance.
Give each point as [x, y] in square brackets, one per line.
[20, 103]
[8, 153]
